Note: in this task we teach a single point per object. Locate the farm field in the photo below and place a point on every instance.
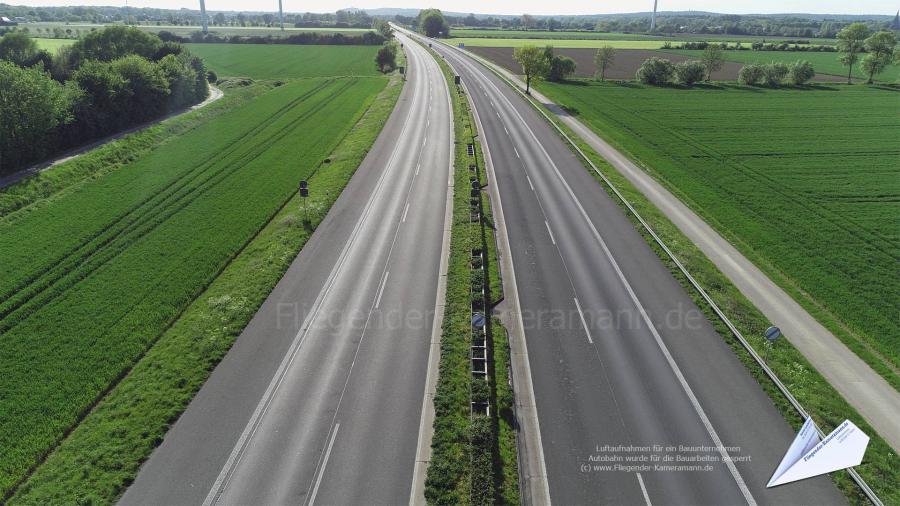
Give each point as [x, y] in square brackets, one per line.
[259, 61]
[808, 190]
[86, 296]
[824, 63]
[567, 43]
[185, 31]
[52, 45]
[624, 67]
[543, 34]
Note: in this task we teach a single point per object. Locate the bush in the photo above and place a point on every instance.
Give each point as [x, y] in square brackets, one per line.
[212, 77]
[386, 58]
[751, 74]
[690, 72]
[656, 71]
[774, 73]
[800, 72]
[561, 67]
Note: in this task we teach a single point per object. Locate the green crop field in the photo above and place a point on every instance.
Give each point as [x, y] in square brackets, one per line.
[53, 44]
[543, 34]
[79, 28]
[90, 277]
[808, 188]
[824, 63]
[260, 61]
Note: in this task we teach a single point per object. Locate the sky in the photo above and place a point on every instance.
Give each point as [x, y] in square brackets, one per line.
[557, 7]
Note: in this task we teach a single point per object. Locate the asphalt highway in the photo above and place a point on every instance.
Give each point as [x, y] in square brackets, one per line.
[320, 398]
[626, 370]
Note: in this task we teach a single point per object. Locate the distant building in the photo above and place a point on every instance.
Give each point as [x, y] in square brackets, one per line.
[5, 21]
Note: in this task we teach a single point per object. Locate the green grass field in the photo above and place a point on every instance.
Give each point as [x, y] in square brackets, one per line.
[543, 34]
[37, 29]
[286, 61]
[52, 45]
[807, 188]
[824, 63]
[91, 276]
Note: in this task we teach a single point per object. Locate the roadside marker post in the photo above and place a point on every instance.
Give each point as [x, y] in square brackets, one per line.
[304, 193]
[772, 333]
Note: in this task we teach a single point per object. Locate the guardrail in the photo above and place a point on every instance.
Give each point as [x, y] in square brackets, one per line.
[869, 493]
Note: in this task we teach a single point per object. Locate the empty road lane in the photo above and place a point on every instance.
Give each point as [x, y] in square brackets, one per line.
[639, 400]
[320, 399]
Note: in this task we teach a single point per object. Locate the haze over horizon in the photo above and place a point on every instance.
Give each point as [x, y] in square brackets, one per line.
[563, 8]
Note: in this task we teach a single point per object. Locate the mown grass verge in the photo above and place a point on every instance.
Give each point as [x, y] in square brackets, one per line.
[100, 457]
[473, 456]
[818, 397]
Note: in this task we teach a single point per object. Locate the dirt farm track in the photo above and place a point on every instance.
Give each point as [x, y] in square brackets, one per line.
[626, 62]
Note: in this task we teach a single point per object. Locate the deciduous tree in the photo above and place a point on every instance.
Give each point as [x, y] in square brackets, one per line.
[880, 47]
[604, 58]
[713, 59]
[851, 41]
[534, 63]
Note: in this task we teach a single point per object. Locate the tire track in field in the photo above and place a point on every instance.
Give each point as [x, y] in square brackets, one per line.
[130, 215]
[147, 222]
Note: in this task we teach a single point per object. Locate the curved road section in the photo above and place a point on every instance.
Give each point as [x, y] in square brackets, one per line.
[638, 398]
[320, 398]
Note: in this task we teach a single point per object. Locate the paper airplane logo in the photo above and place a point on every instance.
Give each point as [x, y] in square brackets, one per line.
[810, 456]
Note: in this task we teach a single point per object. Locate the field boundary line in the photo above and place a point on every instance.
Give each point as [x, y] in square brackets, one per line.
[870, 494]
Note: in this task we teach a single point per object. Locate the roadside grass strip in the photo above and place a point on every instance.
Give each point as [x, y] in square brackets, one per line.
[284, 61]
[92, 278]
[824, 404]
[474, 444]
[807, 188]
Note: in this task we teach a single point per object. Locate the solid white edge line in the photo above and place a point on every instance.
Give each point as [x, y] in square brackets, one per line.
[552, 239]
[381, 290]
[644, 489]
[527, 409]
[312, 497]
[584, 323]
[739, 480]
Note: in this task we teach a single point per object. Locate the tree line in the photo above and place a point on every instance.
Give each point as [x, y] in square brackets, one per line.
[105, 82]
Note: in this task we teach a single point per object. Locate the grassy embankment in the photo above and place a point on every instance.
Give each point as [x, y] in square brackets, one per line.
[825, 405]
[162, 237]
[473, 456]
[824, 63]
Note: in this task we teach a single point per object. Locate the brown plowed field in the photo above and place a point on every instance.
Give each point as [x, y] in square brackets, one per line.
[626, 63]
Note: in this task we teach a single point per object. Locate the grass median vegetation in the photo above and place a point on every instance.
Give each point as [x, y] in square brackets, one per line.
[473, 455]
